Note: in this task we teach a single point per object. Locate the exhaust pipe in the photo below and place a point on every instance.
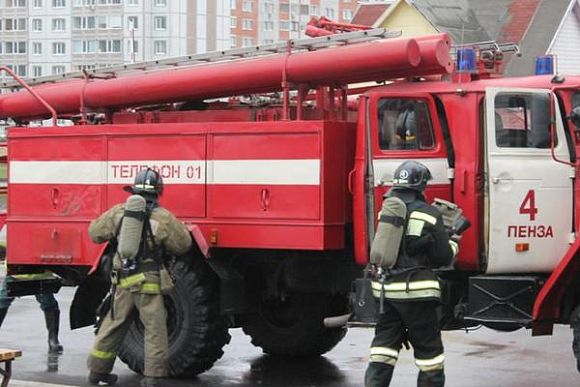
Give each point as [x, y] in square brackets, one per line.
[337, 321]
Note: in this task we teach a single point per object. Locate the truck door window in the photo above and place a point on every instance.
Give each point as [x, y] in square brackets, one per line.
[522, 120]
[404, 124]
[575, 100]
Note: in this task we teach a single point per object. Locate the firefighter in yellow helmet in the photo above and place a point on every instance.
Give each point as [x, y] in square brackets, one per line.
[137, 283]
[409, 292]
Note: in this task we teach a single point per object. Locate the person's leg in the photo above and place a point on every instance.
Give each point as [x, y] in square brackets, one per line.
[49, 306]
[385, 348]
[109, 339]
[154, 318]
[425, 337]
[5, 301]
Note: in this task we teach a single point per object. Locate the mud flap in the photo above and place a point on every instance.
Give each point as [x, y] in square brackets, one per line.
[88, 297]
[21, 288]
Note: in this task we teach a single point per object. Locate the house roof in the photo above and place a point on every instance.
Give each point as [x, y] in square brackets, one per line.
[539, 32]
[456, 17]
[367, 14]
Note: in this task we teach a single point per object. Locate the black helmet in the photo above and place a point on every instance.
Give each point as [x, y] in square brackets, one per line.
[147, 182]
[412, 175]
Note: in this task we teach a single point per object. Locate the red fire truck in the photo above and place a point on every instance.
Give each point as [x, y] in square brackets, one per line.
[278, 168]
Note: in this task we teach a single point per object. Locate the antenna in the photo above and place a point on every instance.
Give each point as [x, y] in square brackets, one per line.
[456, 58]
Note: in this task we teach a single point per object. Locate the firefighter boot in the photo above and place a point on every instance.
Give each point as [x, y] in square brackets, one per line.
[52, 317]
[378, 374]
[2, 315]
[435, 378]
[96, 378]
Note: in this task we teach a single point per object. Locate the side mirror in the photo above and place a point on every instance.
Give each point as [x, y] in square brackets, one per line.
[575, 116]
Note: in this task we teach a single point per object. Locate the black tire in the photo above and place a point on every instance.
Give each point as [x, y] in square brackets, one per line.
[196, 331]
[294, 326]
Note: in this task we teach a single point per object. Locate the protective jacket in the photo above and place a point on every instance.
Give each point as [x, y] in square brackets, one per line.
[426, 245]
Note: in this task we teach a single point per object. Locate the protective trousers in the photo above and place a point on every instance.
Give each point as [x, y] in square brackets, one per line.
[112, 332]
[413, 321]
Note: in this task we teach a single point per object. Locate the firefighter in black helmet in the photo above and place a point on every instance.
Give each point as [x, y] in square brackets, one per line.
[139, 285]
[410, 290]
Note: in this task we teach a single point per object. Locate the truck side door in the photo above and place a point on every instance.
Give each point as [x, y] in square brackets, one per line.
[530, 194]
[398, 127]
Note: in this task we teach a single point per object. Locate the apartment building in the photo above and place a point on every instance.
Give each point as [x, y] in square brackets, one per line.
[45, 37]
[256, 22]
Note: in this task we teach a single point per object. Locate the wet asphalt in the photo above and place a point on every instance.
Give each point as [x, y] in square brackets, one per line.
[479, 358]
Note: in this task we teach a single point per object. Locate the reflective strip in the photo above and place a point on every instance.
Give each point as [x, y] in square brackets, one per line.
[385, 351]
[416, 289]
[433, 364]
[413, 285]
[144, 186]
[454, 247]
[35, 276]
[383, 359]
[415, 227]
[104, 355]
[131, 280]
[150, 287]
[423, 216]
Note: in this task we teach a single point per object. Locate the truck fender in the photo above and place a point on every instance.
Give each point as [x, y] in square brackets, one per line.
[199, 239]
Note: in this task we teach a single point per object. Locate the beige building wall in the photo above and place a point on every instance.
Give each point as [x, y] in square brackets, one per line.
[405, 18]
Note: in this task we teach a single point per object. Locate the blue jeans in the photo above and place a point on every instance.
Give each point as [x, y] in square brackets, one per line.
[46, 301]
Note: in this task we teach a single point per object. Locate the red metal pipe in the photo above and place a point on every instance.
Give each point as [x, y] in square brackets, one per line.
[334, 66]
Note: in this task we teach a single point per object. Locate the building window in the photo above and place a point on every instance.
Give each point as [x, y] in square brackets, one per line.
[284, 25]
[268, 25]
[233, 22]
[133, 2]
[160, 3]
[109, 2]
[284, 8]
[233, 41]
[133, 22]
[313, 10]
[36, 48]
[160, 23]
[15, 24]
[37, 4]
[15, 48]
[246, 42]
[232, 4]
[294, 26]
[58, 3]
[105, 22]
[330, 12]
[247, 24]
[58, 48]
[84, 22]
[347, 14]
[83, 3]
[268, 41]
[84, 46]
[160, 47]
[58, 25]
[58, 70]
[304, 9]
[247, 6]
[85, 67]
[15, 3]
[269, 7]
[37, 25]
[36, 71]
[110, 46]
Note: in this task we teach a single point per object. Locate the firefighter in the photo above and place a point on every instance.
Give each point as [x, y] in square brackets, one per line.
[139, 285]
[408, 294]
[47, 302]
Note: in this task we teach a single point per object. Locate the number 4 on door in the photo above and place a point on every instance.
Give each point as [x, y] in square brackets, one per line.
[528, 206]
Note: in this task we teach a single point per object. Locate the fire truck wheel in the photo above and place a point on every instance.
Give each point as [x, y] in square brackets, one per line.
[294, 326]
[196, 332]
